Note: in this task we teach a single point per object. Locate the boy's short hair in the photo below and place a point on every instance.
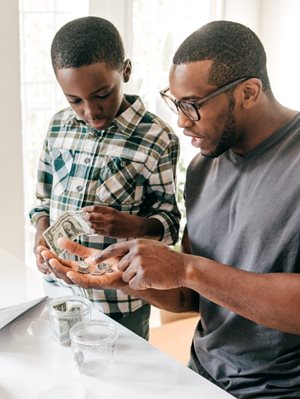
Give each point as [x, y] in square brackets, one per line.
[235, 50]
[85, 41]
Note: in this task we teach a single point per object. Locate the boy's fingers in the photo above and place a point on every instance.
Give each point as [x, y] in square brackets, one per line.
[74, 248]
[80, 280]
[112, 280]
[60, 270]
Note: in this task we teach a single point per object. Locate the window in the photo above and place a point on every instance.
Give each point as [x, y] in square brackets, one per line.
[41, 96]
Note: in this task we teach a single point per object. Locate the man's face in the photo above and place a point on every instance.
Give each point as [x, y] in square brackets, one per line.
[216, 131]
[95, 92]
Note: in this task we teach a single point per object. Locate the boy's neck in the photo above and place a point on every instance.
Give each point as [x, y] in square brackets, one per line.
[124, 105]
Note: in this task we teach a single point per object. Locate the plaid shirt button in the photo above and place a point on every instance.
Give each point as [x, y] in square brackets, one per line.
[79, 188]
[87, 160]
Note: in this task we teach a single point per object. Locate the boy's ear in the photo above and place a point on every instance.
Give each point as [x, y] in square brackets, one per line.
[126, 70]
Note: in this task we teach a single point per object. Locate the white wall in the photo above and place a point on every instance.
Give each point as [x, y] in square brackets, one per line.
[280, 33]
[276, 22]
[246, 12]
[11, 178]
[119, 13]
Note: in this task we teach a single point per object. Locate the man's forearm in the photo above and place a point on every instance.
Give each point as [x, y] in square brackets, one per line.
[271, 299]
[176, 300]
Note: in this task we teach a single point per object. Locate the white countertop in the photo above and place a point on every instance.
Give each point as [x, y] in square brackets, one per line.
[32, 367]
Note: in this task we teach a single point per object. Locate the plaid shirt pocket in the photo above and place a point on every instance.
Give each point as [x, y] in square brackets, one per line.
[121, 182]
[62, 166]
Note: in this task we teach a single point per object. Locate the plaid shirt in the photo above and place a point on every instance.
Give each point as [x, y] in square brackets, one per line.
[130, 166]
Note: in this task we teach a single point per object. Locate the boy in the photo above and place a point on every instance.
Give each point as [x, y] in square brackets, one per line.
[107, 156]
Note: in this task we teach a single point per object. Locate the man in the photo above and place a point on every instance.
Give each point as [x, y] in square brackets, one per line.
[243, 220]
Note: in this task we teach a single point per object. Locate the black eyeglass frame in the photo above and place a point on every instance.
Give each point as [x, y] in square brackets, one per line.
[198, 103]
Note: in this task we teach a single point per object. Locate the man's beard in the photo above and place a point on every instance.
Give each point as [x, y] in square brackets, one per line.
[229, 136]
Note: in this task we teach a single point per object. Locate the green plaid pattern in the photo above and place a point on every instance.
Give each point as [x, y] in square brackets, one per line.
[130, 166]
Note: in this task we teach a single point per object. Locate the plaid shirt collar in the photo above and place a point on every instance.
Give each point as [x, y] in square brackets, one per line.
[126, 122]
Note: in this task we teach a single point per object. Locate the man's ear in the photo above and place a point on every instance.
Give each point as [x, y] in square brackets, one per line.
[126, 70]
[252, 91]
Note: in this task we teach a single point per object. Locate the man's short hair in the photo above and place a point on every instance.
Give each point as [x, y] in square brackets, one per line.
[235, 50]
[85, 41]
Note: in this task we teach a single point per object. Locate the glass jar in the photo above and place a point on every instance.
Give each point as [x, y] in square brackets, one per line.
[65, 312]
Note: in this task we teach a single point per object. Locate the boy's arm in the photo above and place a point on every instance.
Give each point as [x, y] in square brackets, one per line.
[161, 203]
[44, 186]
[39, 215]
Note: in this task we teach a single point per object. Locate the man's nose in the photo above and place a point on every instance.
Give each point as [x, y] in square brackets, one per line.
[183, 121]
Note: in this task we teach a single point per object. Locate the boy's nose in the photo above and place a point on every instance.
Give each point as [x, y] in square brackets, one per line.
[91, 111]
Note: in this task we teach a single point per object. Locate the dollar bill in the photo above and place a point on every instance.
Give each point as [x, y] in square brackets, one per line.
[70, 225]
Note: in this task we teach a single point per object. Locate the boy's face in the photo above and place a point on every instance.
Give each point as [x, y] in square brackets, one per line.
[95, 92]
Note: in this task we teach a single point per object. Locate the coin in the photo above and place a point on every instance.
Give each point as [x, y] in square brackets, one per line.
[103, 266]
[82, 268]
[97, 272]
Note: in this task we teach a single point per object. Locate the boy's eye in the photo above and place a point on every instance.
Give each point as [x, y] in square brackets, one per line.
[77, 101]
[103, 95]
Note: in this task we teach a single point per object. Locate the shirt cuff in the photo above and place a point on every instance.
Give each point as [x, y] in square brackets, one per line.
[37, 213]
[170, 236]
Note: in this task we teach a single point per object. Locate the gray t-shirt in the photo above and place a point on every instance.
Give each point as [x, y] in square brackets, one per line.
[245, 212]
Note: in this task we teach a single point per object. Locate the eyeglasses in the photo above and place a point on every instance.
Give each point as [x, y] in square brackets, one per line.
[191, 108]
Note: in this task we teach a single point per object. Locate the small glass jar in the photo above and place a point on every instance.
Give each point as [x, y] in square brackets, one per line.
[64, 313]
[93, 343]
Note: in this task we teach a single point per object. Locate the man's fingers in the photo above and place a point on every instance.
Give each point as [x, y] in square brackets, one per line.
[128, 275]
[123, 264]
[115, 250]
[135, 284]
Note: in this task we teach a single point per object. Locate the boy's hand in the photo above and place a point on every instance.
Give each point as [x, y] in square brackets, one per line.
[42, 225]
[107, 221]
[67, 270]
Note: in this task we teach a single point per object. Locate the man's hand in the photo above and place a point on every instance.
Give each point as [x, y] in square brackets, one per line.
[146, 264]
[67, 269]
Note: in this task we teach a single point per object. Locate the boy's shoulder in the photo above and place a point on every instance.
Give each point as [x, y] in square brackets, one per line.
[158, 127]
[145, 127]
[63, 117]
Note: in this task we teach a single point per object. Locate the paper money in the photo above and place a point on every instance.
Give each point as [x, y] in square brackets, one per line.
[70, 225]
